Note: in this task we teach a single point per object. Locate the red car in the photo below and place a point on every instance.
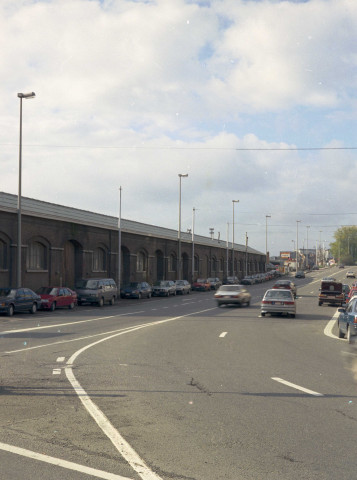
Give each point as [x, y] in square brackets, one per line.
[53, 297]
[201, 284]
[286, 285]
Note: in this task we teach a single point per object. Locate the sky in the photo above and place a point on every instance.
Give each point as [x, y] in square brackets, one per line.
[254, 99]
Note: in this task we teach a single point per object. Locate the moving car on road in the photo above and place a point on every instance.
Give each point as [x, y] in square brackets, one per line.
[331, 293]
[350, 274]
[285, 285]
[347, 321]
[300, 274]
[13, 300]
[54, 297]
[232, 295]
[278, 301]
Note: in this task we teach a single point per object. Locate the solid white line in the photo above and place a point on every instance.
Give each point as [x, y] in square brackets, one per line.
[61, 463]
[297, 387]
[70, 324]
[123, 447]
[223, 334]
[330, 325]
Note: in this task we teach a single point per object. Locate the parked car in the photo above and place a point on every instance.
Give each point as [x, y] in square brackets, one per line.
[231, 281]
[286, 285]
[331, 293]
[352, 292]
[13, 300]
[300, 274]
[248, 280]
[201, 284]
[182, 287]
[232, 295]
[347, 321]
[136, 290]
[278, 300]
[164, 288]
[350, 274]
[214, 282]
[54, 297]
[96, 291]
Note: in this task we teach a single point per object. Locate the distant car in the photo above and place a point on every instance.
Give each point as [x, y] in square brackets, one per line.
[347, 323]
[286, 285]
[232, 295]
[182, 287]
[54, 297]
[278, 301]
[341, 266]
[248, 280]
[231, 280]
[214, 282]
[202, 285]
[332, 293]
[164, 288]
[352, 292]
[136, 290]
[350, 274]
[300, 274]
[13, 300]
[346, 291]
[315, 267]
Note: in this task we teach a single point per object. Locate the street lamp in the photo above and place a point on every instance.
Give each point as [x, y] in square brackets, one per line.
[307, 245]
[297, 244]
[266, 240]
[179, 228]
[119, 240]
[233, 202]
[19, 236]
[193, 244]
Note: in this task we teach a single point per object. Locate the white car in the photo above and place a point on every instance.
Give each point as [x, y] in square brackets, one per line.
[278, 301]
[350, 275]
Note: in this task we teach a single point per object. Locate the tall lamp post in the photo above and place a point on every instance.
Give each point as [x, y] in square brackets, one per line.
[179, 228]
[119, 241]
[266, 240]
[307, 245]
[193, 244]
[19, 235]
[297, 244]
[233, 202]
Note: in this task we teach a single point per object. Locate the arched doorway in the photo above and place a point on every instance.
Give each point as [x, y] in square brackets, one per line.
[160, 265]
[185, 265]
[125, 265]
[72, 263]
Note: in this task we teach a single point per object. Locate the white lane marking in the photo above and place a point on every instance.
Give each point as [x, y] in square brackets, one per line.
[70, 324]
[60, 359]
[297, 387]
[223, 334]
[61, 463]
[330, 325]
[56, 371]
[123, 447]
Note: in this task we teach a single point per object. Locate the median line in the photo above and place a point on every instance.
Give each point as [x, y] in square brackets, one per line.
[297, 387]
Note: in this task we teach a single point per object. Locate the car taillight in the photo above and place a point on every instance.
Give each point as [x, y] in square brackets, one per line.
[266, 302]
[289, 303]
[355, 319]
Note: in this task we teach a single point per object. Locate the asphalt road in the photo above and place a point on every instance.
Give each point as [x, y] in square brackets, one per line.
[177, 388]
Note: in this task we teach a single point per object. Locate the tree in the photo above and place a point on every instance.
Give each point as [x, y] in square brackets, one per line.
[344, 248]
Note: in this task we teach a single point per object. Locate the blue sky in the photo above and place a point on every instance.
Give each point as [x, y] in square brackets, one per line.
[255, 100]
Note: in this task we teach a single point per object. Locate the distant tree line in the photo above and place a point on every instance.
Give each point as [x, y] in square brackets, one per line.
[344, 248]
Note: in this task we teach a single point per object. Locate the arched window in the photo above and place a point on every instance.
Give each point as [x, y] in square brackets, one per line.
[36, 256]
[141, 262]
[3, 255]
[173, 263]
[99, 260]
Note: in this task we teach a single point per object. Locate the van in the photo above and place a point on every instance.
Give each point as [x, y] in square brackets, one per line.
[331, 292]
[96, 290]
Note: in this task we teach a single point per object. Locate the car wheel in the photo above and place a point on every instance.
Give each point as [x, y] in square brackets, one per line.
[292, 315]
[112, 301]
[349, 336]
[53, 306]
[218, 304]
[71, 306]
[247, 303]
[101, 302]
[175, 293]
[149, 295]
[10, 310]
[262, 314]
[340, 332]
[320, 303]
[33, 308]
[79, 303]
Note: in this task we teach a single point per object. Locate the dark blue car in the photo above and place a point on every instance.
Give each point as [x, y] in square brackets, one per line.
[347, 321]
[18, 300]
[136, 290]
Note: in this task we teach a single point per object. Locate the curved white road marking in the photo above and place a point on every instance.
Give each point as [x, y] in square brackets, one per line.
[123, 447]
[61, 463]
[330, 325]
[297, 387]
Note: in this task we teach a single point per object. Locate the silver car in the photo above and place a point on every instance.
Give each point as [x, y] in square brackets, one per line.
[182, 287]
[232, 295]
[278, 301]
[164, 288]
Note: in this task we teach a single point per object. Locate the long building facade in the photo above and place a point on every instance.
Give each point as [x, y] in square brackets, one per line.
[60, 245]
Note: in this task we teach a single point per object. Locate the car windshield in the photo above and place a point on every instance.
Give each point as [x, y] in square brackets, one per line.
[7, 292]
[47, 291]
[278, 294]
[201, 280]
[88, 284]
[229, 288]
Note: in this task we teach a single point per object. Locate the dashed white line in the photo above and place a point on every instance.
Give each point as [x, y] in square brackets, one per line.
[297, 387]
[223, 334]
[56, 371]
[61, 463]
[60, 359]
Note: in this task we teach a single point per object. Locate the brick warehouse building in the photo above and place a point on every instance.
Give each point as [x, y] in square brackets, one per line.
[62, 244]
